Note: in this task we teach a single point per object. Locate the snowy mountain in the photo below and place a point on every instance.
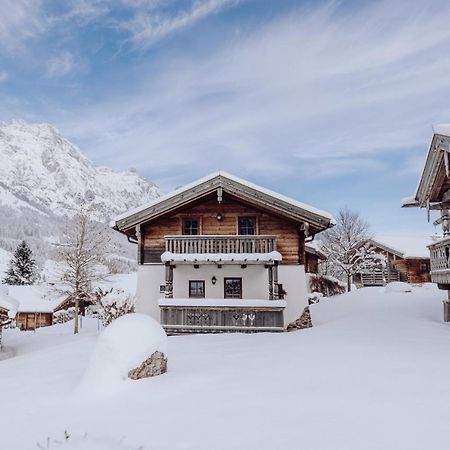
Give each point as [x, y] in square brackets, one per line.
[44, 177]
[43, 171]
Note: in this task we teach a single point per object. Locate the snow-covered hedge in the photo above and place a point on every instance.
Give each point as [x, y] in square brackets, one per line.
[63, 316]
[326, 285]
[113, 304]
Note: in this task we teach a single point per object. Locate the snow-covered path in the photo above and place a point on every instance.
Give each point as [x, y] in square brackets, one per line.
[371, 374]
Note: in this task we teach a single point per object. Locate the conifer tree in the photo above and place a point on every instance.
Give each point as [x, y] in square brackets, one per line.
[22, 267]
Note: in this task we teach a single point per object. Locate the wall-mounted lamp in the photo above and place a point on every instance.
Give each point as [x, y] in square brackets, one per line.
[219, 217]
[213, 280]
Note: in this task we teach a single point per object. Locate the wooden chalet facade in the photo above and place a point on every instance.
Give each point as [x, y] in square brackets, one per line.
[222, 254]
[433, 193]
[399, 267]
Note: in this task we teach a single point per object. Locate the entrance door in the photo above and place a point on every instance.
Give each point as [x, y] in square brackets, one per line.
[233, 288]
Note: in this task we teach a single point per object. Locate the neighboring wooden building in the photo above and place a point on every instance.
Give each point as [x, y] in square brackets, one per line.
[31, 320]
[222, 254]
[35, 309]
[433, 193]
[399, 267]
[314, 256]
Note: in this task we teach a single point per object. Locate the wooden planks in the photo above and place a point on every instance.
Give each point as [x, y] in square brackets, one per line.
[185, 319]
[286, 232]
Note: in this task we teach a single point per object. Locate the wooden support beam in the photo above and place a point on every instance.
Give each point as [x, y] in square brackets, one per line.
[270, 273]
[276, 294]
[140, 252]
[168, 293]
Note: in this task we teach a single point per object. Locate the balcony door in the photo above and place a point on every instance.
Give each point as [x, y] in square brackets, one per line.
[233, 288]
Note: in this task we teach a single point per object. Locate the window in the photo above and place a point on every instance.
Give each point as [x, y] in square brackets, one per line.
[424, 267]
[190, 227]
[233, 287]
[197, 288]
[247, 225]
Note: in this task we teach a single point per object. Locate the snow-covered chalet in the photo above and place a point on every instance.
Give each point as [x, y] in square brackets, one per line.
[222, 254]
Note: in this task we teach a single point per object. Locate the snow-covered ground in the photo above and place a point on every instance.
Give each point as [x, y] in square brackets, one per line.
[371, 374]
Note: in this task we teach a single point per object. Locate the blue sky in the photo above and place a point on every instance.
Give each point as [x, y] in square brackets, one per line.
[329, 102]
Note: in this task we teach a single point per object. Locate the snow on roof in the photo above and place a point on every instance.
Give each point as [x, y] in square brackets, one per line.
[411, 245]
[408, 201]
[7, 302]
[443, 129]
[222, 257]
[35, 298]
[213, 175]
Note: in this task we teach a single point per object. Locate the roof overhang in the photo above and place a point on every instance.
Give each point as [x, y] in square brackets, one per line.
[432, 182]
[221, 183]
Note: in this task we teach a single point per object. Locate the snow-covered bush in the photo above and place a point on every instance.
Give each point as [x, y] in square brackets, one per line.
[112, 304]
[326, 285]
[121, 347]
[314, 297]
[86, 442]
[64, 315]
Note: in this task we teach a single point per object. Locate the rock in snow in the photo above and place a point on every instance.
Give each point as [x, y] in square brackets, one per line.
[123, 346]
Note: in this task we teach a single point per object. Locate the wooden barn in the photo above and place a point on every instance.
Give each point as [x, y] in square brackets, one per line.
[399, 267]
[223, 254]
[35, 309]
[31, 320]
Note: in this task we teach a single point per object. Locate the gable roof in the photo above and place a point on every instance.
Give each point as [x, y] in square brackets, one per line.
[386, 248]
[234, 186]
[433, 175]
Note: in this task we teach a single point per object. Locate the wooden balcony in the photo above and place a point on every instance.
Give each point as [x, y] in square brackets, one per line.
[440, 262]
[179, 318]
[204, 244]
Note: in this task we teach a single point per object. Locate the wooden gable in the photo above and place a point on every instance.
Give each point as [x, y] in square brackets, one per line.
[220, 185]
[290, 237]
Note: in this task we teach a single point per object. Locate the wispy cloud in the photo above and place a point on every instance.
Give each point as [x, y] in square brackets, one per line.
[149, 25]
[61, 65]
[20, 20]
[323, 81]
[3, 76]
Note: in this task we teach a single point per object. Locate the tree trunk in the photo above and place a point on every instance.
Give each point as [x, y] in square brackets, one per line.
[77, 311]
[349, 283]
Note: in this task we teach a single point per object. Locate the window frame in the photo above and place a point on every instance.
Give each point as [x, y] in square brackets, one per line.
[191, 219]
[225, 287]
[255, 218]
[202, 282]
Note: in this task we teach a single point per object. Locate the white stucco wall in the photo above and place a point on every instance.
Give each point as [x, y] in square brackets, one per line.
[255, 281]
[254, 285]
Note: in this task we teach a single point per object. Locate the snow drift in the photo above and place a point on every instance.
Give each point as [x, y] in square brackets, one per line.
[122, 346]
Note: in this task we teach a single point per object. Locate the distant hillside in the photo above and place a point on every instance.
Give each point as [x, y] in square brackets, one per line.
[44, 177]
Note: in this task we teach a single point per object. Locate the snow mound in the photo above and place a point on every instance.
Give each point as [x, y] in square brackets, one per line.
[122, 346]
[397, 286]
[430, 286]
[86, 443]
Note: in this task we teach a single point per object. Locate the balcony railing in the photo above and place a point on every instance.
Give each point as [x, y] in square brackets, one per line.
[196, 319]
[220, 244]
[440, 261]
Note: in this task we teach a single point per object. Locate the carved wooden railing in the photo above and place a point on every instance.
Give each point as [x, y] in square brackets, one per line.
[220, 244]
[440, 261]
[194, 319]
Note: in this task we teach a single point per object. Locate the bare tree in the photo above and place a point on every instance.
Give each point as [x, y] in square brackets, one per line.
[82, 254]
[347, 246]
